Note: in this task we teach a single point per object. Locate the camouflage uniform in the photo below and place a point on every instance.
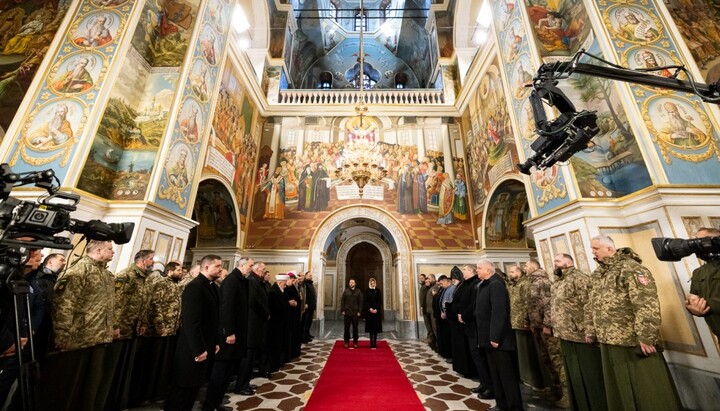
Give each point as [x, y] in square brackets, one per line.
[549, 346]
[83, 319]
[626, 311]
[706, 284]
[131, 300]
[163, 314]
[300, 285]
[83, 306]
[531, 370]
[153, 361]
[571, 321]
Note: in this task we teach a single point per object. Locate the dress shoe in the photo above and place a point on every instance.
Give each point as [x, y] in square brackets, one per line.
[247, 391]
[223, 408]
[347, 345]
[253, 387]
[478, 389]
[494, 408]
[486, 395]
[355, 345]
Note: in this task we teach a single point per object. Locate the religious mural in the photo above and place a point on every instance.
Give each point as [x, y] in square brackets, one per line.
[680, 126]
[66, 97]
[193, 123]
[215, 212]
[699, 26]
[26, 30]
[507, 209]
[304, 185]
[163, 33]
[445, 24]
[490, 143]
[131, 130]
[233, 146]
[559, 26]
[612, 166]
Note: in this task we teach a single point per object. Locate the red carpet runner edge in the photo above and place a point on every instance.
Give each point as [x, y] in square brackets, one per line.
[363, 379]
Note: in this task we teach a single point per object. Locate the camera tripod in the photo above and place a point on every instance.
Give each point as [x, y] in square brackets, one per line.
[27, 370]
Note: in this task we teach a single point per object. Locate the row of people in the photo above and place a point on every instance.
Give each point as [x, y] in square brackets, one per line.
[593, 339]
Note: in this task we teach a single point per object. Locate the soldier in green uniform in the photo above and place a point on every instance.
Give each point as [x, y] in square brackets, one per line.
[704, 298]
[150, 376]
[571, 321]
[549, 346]
[528, 361]
[626, 316]
[83, 318]
[131, 301]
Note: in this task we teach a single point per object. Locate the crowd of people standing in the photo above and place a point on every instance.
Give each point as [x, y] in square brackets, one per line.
[143, 335]
[586, 341]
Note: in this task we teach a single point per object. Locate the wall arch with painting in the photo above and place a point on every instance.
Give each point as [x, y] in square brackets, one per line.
[216, 212]
[504, 215]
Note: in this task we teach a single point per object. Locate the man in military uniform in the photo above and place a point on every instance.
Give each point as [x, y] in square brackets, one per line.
[571, 321]
[351, 304]
[626, 316]
[131, 301]
[83, 318]
[549, 346]
[704, 298]
[530, 368]
[150, 376]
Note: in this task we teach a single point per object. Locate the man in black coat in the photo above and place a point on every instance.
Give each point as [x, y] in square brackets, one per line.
[464, 302]
[311, 305]
[293, 296]
[258, 315]
[232, 334]
[197, 337]
[278, 330]
[496, 336]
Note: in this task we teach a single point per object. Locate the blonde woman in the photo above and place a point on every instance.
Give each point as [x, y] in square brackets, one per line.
[373, 312]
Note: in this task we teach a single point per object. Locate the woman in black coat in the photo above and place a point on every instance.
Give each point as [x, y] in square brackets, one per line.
[373, 312]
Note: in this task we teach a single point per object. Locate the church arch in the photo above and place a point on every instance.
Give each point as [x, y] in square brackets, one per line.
[498, 211]
[217, 184]
[401, 270]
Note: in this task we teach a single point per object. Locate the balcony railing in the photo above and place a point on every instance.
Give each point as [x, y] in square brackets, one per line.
[374, 97]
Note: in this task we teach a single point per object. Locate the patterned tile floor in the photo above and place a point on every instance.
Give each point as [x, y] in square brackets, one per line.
[437, 386]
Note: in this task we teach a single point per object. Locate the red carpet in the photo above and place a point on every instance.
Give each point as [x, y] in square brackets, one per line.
[363, 379]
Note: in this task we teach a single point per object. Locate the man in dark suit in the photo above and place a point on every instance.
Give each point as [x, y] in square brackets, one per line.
[232, 334]
[197, 337]
[258, 315]
[464, 305]
[495, 335]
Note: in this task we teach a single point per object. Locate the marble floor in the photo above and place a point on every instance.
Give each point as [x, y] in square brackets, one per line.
[437, 386]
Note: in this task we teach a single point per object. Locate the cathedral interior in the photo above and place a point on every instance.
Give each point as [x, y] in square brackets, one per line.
[373, 138]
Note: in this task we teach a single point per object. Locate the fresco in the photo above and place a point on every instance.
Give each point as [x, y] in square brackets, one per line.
[490, 143]
[559, 26]
[234, 145]
[679, 124]
[26, 30]
[549, 189]
[65, 97]
[445, 23]
[507, 209]
[194, 119]
[414, 48]
[613, 165]
[214, 210]
[303, 188]
[164, 30]
[699, 27]
[130, 133]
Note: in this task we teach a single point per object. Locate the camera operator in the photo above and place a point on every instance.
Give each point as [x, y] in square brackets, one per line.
[43, 280]
[9, 366]
[704, 298]
[83, 319]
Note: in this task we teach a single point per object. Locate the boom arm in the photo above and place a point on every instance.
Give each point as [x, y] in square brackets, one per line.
[572, 131]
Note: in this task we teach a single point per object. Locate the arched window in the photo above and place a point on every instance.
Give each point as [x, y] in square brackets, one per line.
[360, 20]
[326, 80]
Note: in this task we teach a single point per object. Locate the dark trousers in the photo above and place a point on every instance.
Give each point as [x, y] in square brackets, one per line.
[307, 320]
[373, 340]
[506, 379]
[75, 380]
[348, 320]
[219, 380]
[245, 370]
[181, 398]
[480, 360]
[122, 356]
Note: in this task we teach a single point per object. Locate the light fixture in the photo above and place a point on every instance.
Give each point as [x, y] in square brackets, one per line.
[361, 163]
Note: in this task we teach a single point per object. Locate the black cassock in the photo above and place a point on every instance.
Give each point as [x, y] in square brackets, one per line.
[292, 293]
[278, 333]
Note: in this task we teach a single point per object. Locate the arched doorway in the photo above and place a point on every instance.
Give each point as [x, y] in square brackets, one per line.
[364, 262]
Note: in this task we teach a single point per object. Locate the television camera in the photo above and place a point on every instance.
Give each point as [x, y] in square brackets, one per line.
[675, 249]
[560, 138]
